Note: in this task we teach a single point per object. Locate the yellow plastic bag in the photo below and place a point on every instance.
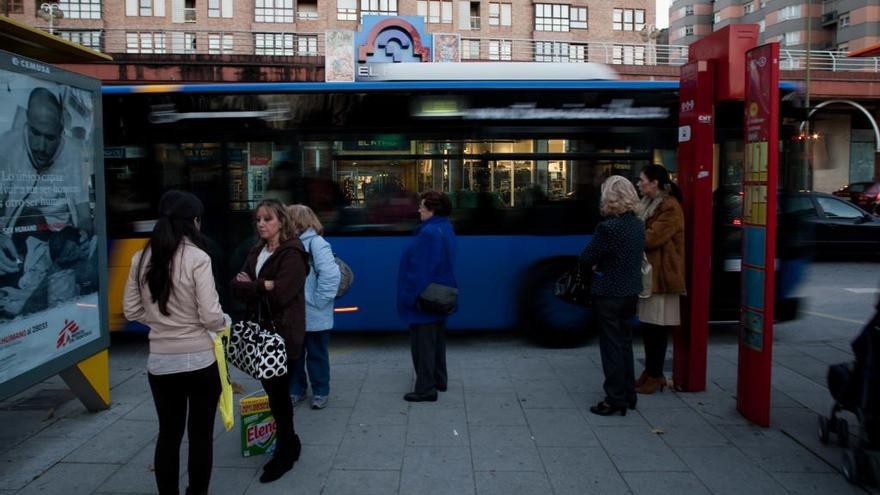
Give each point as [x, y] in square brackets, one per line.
[225, 403]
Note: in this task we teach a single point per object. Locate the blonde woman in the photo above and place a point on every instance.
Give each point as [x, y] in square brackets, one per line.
[614, 256]
[321, 286]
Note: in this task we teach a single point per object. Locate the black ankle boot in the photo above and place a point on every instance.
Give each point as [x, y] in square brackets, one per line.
[282, 461]
[190, 491]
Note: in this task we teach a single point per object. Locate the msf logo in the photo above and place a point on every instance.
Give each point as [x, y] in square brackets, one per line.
[67, 334]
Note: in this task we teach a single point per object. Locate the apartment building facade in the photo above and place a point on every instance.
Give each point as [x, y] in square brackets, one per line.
[539, 30]
[835, 25]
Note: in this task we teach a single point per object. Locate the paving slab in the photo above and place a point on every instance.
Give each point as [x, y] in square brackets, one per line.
[560, 428]
[435, 470]
[504, 448]
[67, 478]
[665, 484]
[376, 447]
[726, 470]
[582, 471]
[512, 483]
[637, 448]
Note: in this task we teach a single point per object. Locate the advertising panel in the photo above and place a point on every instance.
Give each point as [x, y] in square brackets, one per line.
[760, 170]
[51, 241]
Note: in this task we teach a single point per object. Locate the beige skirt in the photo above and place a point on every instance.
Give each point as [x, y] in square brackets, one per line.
[660, 309]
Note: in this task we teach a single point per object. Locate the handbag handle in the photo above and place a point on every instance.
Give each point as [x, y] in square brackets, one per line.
[268, 310]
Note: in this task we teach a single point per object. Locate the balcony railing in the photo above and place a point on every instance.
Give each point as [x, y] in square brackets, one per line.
[306, 16]
[189, 15]
[207, 42]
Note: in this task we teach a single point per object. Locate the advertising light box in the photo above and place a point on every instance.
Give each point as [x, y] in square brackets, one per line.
[52, 237]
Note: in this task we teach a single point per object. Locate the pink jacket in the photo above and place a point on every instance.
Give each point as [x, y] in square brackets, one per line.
[194, 306]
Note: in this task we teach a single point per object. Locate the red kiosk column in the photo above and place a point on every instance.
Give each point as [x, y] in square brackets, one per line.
[760, 178]
[696, 138]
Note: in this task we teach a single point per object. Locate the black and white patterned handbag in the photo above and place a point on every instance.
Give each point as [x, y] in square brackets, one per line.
[257, 351]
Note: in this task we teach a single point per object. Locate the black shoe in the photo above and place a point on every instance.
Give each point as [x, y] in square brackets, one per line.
[190, 491]
[441, 388]
[631, 402]
[417, 397]
[605, 409]
[297, 448]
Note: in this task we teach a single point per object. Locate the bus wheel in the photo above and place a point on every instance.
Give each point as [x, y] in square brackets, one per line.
[545, 318]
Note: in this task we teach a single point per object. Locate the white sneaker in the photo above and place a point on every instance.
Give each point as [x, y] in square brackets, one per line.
[296, 398]
[319, 402]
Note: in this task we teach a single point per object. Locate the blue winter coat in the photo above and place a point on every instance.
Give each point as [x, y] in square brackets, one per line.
[425, 260]
[321, 283]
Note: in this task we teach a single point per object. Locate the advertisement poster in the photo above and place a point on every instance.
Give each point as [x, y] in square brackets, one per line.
[447, 47]
[339, 61]
[49, 273]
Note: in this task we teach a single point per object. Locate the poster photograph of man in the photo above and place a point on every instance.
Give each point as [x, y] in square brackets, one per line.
[47, 241]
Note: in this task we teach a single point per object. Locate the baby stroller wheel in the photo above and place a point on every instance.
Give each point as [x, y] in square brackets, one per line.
[857, 466]
[823, 429]
[842, 432]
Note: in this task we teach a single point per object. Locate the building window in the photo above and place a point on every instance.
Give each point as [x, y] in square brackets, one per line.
[762, 3]
[220, 44]
[378, 7]
[307, 45]
[843, 48]
[213, 8]
[435, 11]
[470, 49]
[88, 39]
[688, 10]
[844, 20]
[552, 17]
[628, 19]
[307, 10]
[14, 7]
[273, 11]
[748, 8]
[145, 8]
[790, 12]
[500, 50]
[578, 18]
[551, 51]
[346, 10]
[716, 18]
[183, 42]
[145, 42]
[687, 31]
[792, 39]
[273, 44]
[628, 55]
[500, 14]
[762, 24]
[80, 9]
[578, 53]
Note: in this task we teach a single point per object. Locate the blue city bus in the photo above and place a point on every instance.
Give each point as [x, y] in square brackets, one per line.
[521, 159]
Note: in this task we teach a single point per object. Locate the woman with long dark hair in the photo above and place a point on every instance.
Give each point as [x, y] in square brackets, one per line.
[272, 283]
[171, 289]
[660, 208]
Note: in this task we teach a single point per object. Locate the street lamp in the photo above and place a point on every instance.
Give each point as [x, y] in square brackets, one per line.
[50, 12]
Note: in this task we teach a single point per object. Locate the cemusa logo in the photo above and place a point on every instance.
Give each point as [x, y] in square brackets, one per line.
[261, 434]
[69, 333]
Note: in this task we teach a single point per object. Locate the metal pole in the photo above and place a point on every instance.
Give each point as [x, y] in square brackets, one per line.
[807, 137]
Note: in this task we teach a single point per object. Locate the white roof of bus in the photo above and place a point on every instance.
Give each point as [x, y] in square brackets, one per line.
[489, 71]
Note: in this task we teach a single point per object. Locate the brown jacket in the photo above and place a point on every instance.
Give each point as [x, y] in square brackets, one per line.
[287, 267]
[664, 246]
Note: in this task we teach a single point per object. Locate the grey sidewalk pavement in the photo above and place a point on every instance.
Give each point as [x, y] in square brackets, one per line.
[515, 420]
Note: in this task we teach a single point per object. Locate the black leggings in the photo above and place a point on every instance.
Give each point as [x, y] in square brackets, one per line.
[278, 392]
[173, 394]
[655, 339]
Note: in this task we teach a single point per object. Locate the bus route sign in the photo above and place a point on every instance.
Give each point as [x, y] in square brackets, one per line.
[760, 170]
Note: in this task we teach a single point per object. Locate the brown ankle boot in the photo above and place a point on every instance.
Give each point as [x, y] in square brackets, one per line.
[642, 378]
[651, 385]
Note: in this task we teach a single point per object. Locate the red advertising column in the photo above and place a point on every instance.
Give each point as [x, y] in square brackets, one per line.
[760, 170]
[696, 137]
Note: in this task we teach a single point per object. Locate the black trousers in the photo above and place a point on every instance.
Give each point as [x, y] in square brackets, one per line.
[655, 340]
[615, 315]
[428, 346]
[278, 391]
[185, 401]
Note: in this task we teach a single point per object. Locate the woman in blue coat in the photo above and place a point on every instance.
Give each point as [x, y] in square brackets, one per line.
[429, 258]
[320, 290]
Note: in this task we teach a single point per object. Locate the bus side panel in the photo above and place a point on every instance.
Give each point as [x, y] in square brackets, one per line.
[488, 270]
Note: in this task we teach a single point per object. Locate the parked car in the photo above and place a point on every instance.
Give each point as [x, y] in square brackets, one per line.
[837, 226]
[866, 195]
